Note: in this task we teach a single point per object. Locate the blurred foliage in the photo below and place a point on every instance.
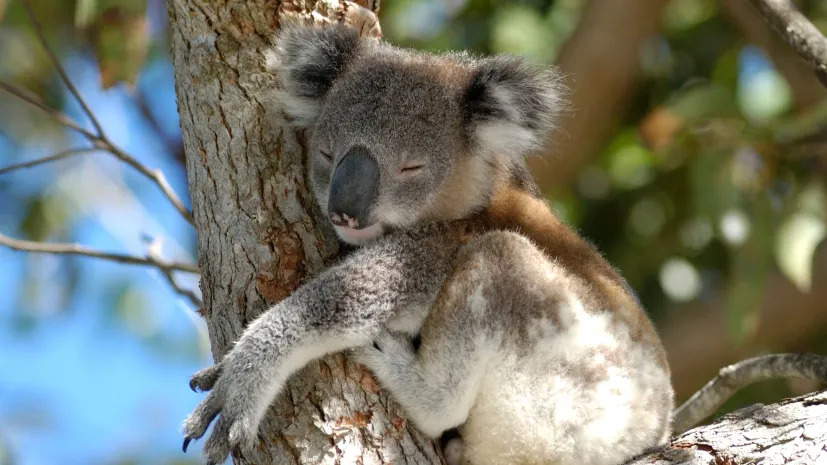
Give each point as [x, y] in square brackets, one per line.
[712, 181]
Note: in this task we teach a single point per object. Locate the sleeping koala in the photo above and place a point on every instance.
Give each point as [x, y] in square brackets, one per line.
[531, 344]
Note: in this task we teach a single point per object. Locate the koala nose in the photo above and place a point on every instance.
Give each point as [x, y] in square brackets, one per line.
[353, 189]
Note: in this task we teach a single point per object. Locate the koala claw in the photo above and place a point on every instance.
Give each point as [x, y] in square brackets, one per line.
[186, 444]
[205, 379]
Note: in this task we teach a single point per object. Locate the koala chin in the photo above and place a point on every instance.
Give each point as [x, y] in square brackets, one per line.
[531, 345]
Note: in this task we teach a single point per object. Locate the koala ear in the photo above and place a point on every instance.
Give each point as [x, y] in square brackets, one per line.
[511, 106]
[307, 60]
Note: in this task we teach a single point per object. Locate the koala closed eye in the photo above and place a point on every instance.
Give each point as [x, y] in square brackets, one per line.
[411, 168]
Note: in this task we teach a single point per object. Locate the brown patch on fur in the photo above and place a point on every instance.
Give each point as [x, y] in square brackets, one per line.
[517, 210]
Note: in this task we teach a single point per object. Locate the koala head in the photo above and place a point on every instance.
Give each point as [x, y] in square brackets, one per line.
[399, 137]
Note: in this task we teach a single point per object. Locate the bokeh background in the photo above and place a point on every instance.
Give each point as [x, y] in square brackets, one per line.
[694, 156]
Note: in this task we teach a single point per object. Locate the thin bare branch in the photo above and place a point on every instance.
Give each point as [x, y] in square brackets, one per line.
[56, 62]
[156, 176]
[51, 158]
[739, 375]
[77, 249]
[103, 142]
[99, 139]
[798, 31]
[154, 253]
[61, 118]
[180, 290]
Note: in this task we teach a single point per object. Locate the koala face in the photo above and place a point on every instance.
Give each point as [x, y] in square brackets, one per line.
[400, 137]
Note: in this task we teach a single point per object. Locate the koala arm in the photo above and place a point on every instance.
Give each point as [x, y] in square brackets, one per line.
[344, 307]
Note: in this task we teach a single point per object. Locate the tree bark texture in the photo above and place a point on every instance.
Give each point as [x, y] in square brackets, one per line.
[260, 235]
[259, 231]
[793, 431]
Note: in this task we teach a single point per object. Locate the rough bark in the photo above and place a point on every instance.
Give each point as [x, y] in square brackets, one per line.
[259, 234]
[790, 432]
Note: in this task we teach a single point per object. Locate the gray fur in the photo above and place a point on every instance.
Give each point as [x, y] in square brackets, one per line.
[503, 328]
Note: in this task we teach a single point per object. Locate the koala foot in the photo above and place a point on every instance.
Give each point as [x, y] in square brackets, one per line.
[453, 450]
[235, 397]
[205, 379]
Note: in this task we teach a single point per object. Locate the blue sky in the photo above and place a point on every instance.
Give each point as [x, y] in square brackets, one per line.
[84, 385]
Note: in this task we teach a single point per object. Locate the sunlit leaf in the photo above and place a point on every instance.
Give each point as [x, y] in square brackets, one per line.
[84, 12]
[522, 30]
[684, 14]
[699, 103]
[799, 236]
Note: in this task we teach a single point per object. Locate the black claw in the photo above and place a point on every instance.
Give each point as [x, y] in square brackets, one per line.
[186, 444]
[236, 452]
[193, 385]
[376, 346]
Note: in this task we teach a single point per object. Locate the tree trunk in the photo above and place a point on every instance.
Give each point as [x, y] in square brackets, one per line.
[260, 235]
[259, 232]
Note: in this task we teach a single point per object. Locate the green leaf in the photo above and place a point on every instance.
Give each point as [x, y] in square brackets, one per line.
[713, 192]
[751, 266]
[699, 103]
[84, 12]
[121, 40]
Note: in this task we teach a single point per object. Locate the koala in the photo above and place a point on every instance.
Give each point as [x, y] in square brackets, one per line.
[531, 344]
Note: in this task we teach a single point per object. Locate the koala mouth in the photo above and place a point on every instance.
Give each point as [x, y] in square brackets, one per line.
[359, 236]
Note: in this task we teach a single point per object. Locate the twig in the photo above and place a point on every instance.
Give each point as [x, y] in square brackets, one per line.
[56, 115]
[62, 72]
[77, 249]
[155, 254]
[103, 142]
[798, 31]
[99, 138]
[51, 158]
[184, 292]
[739, 375]
[156, 176]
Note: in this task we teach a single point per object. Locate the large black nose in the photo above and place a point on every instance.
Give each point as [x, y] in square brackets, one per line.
[353, 189]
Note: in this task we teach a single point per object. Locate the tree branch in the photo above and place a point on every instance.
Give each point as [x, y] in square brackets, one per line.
[59, 117]
[791, 431]
[739, 375]
[99, 137]
[56, 63]
[77, 249]
[51, 158]
[807, 91]
[798, 31]
[103, 142]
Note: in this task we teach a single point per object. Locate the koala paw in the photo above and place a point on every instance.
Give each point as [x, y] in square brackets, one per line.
[389, 351]
[205, 379]
[233, 402]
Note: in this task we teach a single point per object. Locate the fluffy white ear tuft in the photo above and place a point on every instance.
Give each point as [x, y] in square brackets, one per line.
[511, 106]
[307, 61]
